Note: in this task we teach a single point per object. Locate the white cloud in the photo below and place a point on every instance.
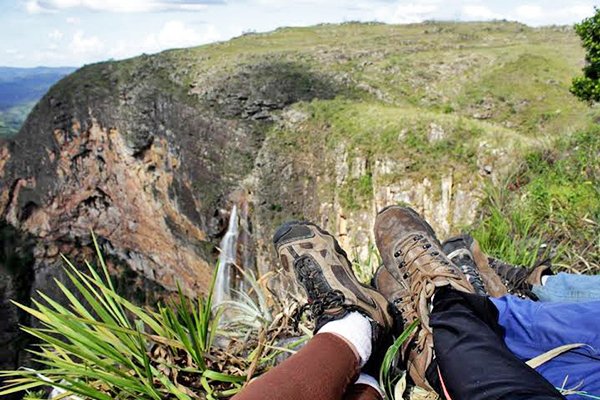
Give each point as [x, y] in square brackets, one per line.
[534, 14]
[176, 33]
[406, 13]
[33, 7]
[479, 12]
[55, 35]
[73, 21]
[118, 6]
[283, 3]
[578, 11]
[529, 12]
[85, 45]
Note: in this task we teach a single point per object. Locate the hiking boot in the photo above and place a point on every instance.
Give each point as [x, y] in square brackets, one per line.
[520, 280]
[464, 251]
[413, 256]
[321, 268]
[457, 251]
[396, 293]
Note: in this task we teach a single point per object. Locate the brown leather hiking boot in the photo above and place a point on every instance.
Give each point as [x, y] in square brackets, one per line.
[322, 269]
[403, 311]
[413, 257]
[520, 280]
[394, 292]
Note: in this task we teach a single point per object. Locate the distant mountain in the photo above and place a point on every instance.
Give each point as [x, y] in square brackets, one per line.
[20, 89]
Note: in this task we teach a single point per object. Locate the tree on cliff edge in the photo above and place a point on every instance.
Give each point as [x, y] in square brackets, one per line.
[587, 87]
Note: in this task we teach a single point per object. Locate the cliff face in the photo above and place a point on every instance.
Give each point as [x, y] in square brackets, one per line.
[329, 123]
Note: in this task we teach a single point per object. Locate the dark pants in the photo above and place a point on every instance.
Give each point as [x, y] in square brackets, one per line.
[471, 354]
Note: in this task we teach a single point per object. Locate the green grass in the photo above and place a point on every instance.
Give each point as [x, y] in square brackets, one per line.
[365, 267]
[389, 374]
[101, 346]
[553, 199]
[537, 104]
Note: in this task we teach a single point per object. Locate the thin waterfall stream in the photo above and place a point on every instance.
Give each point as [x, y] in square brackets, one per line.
[227, 259]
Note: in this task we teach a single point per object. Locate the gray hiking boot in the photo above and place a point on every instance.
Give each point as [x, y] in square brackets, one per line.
[413, 257]
[321, 268]
[464, 251]
[457, 250]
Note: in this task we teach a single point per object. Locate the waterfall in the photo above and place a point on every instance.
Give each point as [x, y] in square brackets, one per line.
[227, 258]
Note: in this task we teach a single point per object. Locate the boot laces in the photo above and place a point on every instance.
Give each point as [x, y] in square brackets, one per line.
[422, 274]
[473, 276]
[316, 307]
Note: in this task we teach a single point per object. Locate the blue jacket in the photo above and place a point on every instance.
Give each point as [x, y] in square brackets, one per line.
[532, 328]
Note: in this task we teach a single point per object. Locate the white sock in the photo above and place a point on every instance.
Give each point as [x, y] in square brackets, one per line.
[356, 329]
[544, 279]
[369, 380]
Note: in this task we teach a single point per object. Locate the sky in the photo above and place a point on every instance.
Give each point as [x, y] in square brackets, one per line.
[78, 32]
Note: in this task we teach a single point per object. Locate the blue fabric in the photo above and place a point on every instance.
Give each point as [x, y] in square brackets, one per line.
[565, 287]
[533, 328]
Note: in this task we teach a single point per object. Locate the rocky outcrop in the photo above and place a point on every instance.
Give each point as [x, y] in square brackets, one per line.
[329, 124]
[149, 171]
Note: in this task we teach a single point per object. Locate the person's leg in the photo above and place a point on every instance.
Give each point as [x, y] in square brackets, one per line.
[565, 287]
[321, 370]
[472, 358]
[350, 319]
[533, 328]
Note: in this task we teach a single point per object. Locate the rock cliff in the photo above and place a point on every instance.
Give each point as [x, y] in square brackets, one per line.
[328, 123]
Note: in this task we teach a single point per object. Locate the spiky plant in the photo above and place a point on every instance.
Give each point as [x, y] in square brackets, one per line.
[365, 267]
[390, 378]
[105, 347]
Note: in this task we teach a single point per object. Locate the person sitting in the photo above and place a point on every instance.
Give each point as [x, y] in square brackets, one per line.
[465, 347]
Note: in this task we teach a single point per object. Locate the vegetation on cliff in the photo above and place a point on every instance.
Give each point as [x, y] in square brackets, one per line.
[101, 346]
[548, 208]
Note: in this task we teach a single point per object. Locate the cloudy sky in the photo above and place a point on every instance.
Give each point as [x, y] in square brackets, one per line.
[76, 32]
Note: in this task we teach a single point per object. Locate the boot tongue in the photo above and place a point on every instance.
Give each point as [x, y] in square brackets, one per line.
[535, 277]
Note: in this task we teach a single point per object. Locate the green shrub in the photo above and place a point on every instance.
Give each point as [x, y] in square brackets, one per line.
[554, 199]
[587, 87]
